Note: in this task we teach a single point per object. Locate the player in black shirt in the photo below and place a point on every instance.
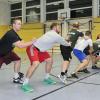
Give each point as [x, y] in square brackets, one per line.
[8, 42]
[66, 51]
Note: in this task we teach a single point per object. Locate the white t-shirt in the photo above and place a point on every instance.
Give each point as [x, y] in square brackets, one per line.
[82, 43]
[47, 41]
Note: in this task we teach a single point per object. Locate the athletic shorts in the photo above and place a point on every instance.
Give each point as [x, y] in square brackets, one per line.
[34, 54]
[86, 51]
[66, 52]
[8, 58]
[79, 54]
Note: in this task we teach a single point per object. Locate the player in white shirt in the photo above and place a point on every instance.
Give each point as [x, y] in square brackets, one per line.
[37, 53]
[81, 44]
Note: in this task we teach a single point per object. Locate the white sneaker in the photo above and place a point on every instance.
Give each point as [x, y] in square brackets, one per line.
[62, 79]
[66, 75]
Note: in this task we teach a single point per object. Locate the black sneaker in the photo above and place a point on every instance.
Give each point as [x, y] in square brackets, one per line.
[86, 71]
[95, 67]
[21, 75]
[74, 75]
[17, 80]
[80, 71]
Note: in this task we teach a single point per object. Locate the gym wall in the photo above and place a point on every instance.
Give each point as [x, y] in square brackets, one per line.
[95, 28]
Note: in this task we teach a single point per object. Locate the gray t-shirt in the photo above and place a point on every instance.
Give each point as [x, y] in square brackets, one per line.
[48, 40]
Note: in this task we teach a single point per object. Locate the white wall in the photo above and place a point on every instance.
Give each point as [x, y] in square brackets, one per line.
[4, 13]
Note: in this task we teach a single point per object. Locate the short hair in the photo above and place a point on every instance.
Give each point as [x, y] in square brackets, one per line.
[76, 24]
[14, 20]
[88, 33]
[53, 25]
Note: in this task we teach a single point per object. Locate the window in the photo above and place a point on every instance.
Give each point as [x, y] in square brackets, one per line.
[16, 6]
[52, 16]
[80, 3]
[32, 3]
[54, 7]
[32, 10]
[33, 14]
[49, 1]
[16, 10]
[81, 13]
[99, 7]
[16, 13]
[99, 11]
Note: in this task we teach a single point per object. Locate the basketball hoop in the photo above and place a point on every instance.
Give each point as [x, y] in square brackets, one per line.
[64, 14]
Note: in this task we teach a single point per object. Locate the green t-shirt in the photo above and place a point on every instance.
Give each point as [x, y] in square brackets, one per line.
[74, 34]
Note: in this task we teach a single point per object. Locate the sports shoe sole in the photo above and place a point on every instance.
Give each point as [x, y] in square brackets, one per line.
[62, 80]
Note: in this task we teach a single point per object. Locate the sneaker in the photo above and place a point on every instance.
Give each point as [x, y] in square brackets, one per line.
[80, 71]
[86, 71]
[49, 81]
[74, 75]
[21, 75]
[17, 80]
[62, 79]
[95, 67]
[27, 88]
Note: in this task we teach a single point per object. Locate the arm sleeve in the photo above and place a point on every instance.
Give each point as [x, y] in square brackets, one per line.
[15, 38]
[62, 41]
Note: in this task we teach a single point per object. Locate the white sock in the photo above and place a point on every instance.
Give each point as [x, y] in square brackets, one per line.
[73, 73]
[47, 75]
[16, 75]
[26, 81]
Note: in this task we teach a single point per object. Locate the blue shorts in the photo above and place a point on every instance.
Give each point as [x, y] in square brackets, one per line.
[79, 54]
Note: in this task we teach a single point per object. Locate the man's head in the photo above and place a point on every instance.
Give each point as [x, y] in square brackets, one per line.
[88, 35]
[55, 27]
[16, 24]
[98, 36]
[76, 25]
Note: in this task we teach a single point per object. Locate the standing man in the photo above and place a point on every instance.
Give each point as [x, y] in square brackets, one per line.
[66, 51]
[7, 44]
[38, 53]
[74, 33]
[81, 44]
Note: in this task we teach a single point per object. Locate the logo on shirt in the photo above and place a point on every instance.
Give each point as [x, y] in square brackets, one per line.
[72, 33]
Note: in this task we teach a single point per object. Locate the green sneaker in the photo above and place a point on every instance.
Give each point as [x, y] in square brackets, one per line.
[27, 88]
[49, 81]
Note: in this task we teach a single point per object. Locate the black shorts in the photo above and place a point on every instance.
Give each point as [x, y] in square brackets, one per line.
[66, 52]
[86, 51]
[8, 58]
